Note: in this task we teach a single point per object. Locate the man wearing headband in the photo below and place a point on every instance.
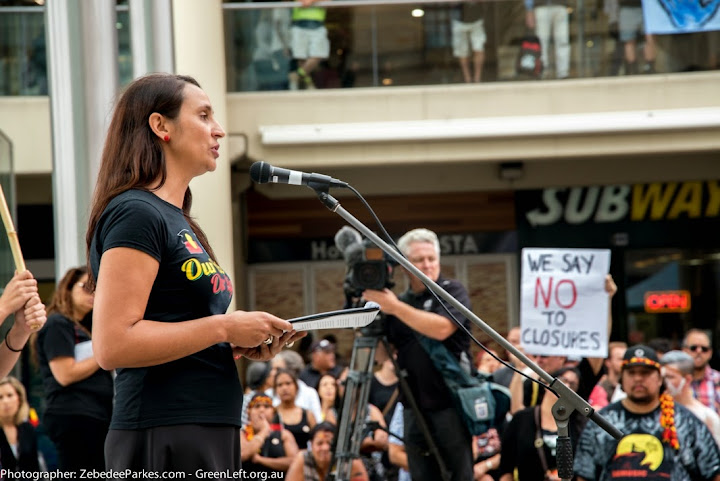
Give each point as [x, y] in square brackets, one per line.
[265, 446]
[662, 439]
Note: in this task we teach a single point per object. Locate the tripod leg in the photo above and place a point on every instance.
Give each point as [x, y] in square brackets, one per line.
[351, 423]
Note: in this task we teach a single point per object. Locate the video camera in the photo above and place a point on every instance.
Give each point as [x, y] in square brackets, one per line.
[367, 267]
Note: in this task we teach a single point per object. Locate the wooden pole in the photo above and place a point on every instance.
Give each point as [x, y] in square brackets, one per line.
[13, 240]
[11, 233]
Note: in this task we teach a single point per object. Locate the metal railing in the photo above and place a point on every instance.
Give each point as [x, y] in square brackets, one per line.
[375, 43]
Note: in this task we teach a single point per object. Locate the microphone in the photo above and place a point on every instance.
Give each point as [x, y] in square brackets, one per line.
[346, 237]
[262, 172]
[350, 243]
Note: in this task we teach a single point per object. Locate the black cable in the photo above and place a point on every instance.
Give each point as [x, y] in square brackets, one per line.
[440, 301]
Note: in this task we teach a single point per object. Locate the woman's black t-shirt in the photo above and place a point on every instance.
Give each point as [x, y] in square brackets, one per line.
[91, 396]
[202, 388]
[380, 395]
[300, 431]
[272, 448]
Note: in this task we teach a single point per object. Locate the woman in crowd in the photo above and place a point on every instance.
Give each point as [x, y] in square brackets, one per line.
[530, 439]
[307, 396]
[265, 446]
[78, 392]
[313, 464]
[161, 296]
[385, 387]
[486, 362]
[295, 419]
[327, 389]
[18, 441]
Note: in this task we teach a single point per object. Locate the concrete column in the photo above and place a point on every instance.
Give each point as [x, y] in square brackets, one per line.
[151, 36]
[200, 53]
[83, 73]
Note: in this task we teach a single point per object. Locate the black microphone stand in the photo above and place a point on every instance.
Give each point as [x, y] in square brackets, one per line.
[568, 400]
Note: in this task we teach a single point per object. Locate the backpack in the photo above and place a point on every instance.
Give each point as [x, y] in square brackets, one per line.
[481, 403]
[529, 61]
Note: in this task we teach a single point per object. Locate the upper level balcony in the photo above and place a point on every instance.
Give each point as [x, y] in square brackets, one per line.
[374, 43]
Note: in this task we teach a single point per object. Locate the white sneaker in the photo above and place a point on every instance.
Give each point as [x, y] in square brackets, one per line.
[293, 79]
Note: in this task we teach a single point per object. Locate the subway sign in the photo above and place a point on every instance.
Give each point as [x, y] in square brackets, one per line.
[638, 215]
[638, 202]
[667, 301]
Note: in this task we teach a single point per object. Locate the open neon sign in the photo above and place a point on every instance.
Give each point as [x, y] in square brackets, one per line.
[667, 301]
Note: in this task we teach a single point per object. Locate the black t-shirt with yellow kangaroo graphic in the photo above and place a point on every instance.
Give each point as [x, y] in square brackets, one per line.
[641, 454]
[202, 388]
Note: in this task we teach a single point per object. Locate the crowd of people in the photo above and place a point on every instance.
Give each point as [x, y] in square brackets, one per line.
[664, 400]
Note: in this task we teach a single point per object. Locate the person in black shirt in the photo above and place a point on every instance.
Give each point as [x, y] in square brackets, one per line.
[295, 419]
[78, 392]
[533, 429]
[161, 303]
[417, 312]
[661, 439]
[385, 387]
[322, 361]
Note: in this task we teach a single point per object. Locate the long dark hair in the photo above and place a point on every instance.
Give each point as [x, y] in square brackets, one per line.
[337, 403]
[133, 157]
[62, 297]
[62, 303]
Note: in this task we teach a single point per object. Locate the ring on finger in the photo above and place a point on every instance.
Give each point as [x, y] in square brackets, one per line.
[269, 340]
[290, 344]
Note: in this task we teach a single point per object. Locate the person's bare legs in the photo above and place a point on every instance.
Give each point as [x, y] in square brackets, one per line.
[305, 71]
[630, 51]
[478, 60]
[465, 67]
[630, 58]
[310, 64]
[649, 53]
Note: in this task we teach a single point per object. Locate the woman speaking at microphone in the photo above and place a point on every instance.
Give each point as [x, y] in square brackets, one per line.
[161, 295]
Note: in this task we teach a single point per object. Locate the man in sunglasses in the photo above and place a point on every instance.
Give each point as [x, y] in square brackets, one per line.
[706, 380]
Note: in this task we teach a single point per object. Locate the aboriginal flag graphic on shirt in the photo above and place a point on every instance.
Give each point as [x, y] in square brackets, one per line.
[188, 239]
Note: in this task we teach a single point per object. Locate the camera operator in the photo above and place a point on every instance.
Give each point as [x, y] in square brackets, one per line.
[417, 310]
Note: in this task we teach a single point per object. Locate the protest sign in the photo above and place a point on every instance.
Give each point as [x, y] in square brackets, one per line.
[564, 306]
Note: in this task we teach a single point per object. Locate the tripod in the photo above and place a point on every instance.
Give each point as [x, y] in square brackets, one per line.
[352, 425]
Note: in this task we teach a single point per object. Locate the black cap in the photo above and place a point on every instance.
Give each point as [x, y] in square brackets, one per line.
[322, 345]
[641, 355]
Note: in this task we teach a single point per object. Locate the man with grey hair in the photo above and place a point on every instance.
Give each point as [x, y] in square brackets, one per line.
[417, 312]
[677, 372]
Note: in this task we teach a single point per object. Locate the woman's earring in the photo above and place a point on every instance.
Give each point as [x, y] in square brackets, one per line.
[166, 138]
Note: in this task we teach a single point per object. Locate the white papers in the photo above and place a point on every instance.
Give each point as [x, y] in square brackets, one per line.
[356, 317]
[83, 350]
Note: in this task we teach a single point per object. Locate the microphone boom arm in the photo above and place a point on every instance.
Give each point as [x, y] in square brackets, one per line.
[568, 399]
